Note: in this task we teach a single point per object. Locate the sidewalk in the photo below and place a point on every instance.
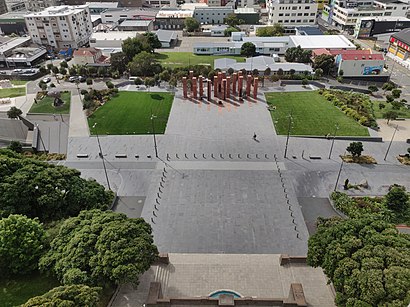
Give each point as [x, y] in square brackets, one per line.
[78, 120]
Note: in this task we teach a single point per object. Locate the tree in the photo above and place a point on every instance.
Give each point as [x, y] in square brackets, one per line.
[280, 72]
[15, 146]
[72, 71]
[38, 189]
[144, 64]
[366, 259]
[191, 24]
[116, 249]
[109, 84]
[14, 112]
[89, 81]
[388, 86]
[390, 115]
[64, 64]
[397, 105]
[173, 82]
[297, 54]
[101, 71]
[373, 88]
[305, 82]
[396, 93]
[397, 199]
[232, 20]
[153, 40]
[148, 82]
[43, 70]
[91, 70]
[355, 149]
[389, 98]
[22, 242]
[248, 49]
[381, 105]
[324, 62]
[63, 71]
[275, 30]
[255, 72]
[228, 31]
[119, 61]
[50, 66]
[134, 45]
[165, 75]
[138, 81]
[72, 295]
[55, 70]
[318, 73]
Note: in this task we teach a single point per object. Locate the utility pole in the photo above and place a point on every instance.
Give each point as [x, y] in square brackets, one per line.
[391, 141]
[153, 133]
[333, 141]
[287, 138]
[102, 157]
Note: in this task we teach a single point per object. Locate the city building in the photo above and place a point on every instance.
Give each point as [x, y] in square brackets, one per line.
[308, 30]
[18, 52]
[290, 12]
[399, 46]
[14, 5]
[40, 5]
[136, 25]
[161, 3]
[212, 15]
[249, 15]
[119, 14]
[346, 13]
[167, 38]
[13, 22]
[110, 42]
[369, 27]
[3, 7]
[261, 63]
[121, 3]
[172, 19]
[321, 4]
[218, 30]
[88, 56]
[96, 8]
[60, 26]
[312, 42]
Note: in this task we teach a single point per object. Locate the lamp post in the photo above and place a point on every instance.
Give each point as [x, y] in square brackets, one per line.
[153, 133]
[287, 138]
[333, 141]
[338, 175]
[391, 141]
[78, 89]
[102, 157]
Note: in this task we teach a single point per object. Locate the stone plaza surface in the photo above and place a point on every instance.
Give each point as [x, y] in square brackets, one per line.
[262, 276]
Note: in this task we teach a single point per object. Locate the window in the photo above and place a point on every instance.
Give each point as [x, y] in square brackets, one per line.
[307, 7]
[306, 14]
[299, 14]
[312, 14]
[280, 14]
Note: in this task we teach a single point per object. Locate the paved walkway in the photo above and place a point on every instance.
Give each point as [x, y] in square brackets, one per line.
[78, 120]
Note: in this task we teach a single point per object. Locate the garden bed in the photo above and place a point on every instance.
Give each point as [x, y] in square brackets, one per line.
[404, 159]
[359, 160]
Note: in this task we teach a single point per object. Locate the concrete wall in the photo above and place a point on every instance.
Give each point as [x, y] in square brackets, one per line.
[360, 68]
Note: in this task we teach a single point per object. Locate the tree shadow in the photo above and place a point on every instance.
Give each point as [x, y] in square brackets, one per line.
[157, 97]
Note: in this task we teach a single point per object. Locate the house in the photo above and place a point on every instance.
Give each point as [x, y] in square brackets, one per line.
[400, 45]
[136, 25]
[87, 56]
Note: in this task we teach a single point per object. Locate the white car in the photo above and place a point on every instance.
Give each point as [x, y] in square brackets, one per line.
[46, 79]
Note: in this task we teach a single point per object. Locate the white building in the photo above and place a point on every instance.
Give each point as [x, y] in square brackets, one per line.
[39, 5]
[345, 13]
[292, 12]
[161, 3]
[15, 5]
[60, 26]
[212, 15]
[313, 42]
[110, 42]
[120, 14]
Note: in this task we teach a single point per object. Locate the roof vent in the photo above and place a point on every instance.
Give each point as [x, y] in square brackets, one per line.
[355, 57]
[363, 57]
[370, 57]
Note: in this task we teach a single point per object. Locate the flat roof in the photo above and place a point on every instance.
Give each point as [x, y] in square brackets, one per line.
[11, 44]
[14, 15]
[135, 23]
[403, 36]
[174, 14]
[166, 35]
[310, 30]
[98, 5]
[321, 41]
[61, 10]
[192, 6]
[385, 18]
[245, 10]
[113, 35]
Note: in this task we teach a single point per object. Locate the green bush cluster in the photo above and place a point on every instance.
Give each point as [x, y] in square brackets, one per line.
[355, 105]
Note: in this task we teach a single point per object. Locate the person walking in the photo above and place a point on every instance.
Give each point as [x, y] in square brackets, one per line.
[254, 136]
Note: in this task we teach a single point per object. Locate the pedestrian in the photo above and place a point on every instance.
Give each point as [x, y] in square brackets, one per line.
[254, 136]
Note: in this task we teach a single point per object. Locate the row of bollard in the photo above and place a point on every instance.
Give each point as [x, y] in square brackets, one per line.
[159, 193]
[282, 180]
[212, 156]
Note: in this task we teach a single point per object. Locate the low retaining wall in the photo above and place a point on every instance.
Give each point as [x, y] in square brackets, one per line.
[348, 89]
[343, 138]
[299, 82]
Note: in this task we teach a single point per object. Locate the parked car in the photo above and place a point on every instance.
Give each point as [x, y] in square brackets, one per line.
[82, 78]
[18, 71]
[73, 78]
[46, 79]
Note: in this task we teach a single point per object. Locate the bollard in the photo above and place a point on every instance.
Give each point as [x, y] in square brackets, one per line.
[287, 201]
[295, 228]
[163, 175]
[168, 157]
[291, 214]
[156, 200]
[162, 179]
[257, 156]
[153, 213]
[160, 190]
[165, 170]
[247, 155]
[230, 156]
[212, 155]
[195, 156]
[186, 156]
[155, 206]
[293, 221]
[203, 155]
[290, 208]
[239, 156]
[266, 156]
[297, 235]
[158, 195]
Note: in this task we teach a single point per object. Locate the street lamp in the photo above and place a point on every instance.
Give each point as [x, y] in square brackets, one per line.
[153, 133]
[102, 157]
[338, 175]
[391, 141]
[287, 138]
[333, 141]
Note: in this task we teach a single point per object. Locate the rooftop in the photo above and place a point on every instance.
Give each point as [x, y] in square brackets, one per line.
[174, 14]
[61, 10]
[14, 43]
[86, 51]
[166, 35]
[135, 23]
[309, 30]
[98, 5]
[113, 35]
[322, 41]
[403, 36]
[14, 15]
[362, 56]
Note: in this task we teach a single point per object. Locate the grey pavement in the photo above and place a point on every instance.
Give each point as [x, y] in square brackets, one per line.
[78, 120]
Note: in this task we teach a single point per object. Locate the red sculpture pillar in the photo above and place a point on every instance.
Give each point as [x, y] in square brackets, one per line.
[255, 87]
[228, 87]
[224, 75]
[191, 74]
[194, 88]
[216, 86]
[240, 86]
[234, 79]
[248, 85]
[201, 87]
[219, 84]
[224, 89]
[209, 90]
[184, 87]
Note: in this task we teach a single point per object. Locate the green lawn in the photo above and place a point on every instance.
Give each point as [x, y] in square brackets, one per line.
[18, 82]
[45, 105]
[311, 115]
[178, 59]
[403, 112]
[130, 113]
[16, 291]
[12, 92]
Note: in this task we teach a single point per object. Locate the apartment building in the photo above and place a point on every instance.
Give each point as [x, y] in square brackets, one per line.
[292, 12]
[212, 15]
[346, 13]
[14, 5]
[121, 3]
[60, 26]
[39, 5]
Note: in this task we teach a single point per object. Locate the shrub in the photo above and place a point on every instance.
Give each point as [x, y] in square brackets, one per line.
[109, 84]
[83, 92]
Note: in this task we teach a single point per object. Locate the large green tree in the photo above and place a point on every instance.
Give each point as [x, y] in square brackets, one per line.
[324, 62]
[275, 30]
[297, 54]
[100, 247]
[144, 64]
[67, 296]
[397, 199]
[22, 242]
[134, 45]
[46, 191]
[232, 20]
[119, 62]
[191, 24]
[248, 49]
[367, 260]
[152, 40]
